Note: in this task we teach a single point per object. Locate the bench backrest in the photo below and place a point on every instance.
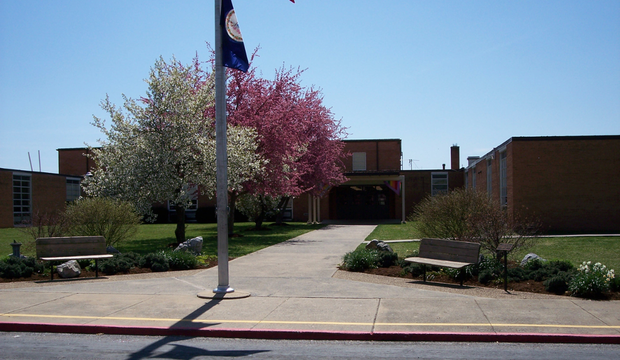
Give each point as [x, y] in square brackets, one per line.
[70, 246]
[441, 249]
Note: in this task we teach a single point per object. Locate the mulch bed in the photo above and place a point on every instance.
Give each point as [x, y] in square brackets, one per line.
[526, 286]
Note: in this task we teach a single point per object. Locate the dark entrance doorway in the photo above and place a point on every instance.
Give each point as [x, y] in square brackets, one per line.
[362, 202]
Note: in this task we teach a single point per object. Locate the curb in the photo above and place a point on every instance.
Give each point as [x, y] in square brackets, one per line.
[271, 334]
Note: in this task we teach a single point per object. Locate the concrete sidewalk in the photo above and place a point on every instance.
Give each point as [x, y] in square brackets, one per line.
[295, 295]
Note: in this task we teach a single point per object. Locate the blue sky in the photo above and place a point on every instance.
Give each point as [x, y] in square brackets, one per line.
[432, 73]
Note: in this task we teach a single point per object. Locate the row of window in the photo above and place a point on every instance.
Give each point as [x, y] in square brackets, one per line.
[22, 196]
[503, 176]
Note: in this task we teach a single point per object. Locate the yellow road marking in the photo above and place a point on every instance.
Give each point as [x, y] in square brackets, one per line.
[310, 322]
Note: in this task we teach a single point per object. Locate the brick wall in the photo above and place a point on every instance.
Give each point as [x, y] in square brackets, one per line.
[74, 162]
[573, 184]
[6, 198]
[381, 155]
[48, 194]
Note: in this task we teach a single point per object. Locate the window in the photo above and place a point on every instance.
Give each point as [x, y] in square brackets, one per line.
[22, 200]
[73, 189]
[467, 179]
[489, 176]
[439, 183]
[473, 178]
[190, 211]
[503, 182]
[359, 161]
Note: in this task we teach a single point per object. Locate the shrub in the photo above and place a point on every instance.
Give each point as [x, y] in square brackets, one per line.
[558, 284]
[414, 269]
[115, 220]
[360, 260]
[181, 260]
[592, 281]
[469, 215]
[486, 276]
[614, 284]
[456, 273]
[119, 263]
[447, 215]
[13, 267]
[155, 261]
[386, 259]
[109, 266]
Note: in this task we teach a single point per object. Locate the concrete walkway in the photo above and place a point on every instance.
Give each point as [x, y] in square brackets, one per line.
[295, 295]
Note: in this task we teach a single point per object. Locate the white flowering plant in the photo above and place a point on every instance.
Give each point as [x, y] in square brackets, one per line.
[592, 280]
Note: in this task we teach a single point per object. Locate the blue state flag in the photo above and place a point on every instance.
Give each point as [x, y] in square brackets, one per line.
[233, 51]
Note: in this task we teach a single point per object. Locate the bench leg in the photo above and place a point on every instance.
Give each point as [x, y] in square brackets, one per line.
[52, 270]
[461, 275]
[96, 268]
[424, 267]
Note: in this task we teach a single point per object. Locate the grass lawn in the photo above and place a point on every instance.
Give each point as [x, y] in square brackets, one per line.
[396, 232]
[605, 250]
[155, 237]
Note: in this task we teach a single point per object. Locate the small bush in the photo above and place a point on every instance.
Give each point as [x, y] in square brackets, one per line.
[109, 266]
[13, 267]
[115, 220]
[130, 257]
[155, 261]
[486, 276]
[360, 260]
[489, 265]
[120, 263]
[414, 269]
[558, 284]
[592, 281]
[386, 259]
[456, 273]
[533, 265]
[516, 274]
[614, 284]
[181, 260]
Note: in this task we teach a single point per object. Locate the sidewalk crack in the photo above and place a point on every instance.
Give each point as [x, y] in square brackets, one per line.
[485, 316]
[374, 320]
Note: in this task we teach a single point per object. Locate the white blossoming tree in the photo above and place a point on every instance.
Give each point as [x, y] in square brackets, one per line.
[162, 147]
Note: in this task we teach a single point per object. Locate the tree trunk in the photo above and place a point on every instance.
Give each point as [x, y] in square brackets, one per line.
[232, 199]
[180, 230]
[258, 222]
[281, 207]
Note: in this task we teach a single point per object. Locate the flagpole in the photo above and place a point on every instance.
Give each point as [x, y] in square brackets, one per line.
[223, 289]
[221, 159]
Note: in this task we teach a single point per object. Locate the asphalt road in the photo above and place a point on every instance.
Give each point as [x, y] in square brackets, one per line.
[77, 346]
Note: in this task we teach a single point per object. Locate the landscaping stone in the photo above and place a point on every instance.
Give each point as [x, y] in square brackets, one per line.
[531, 256]
[379, 245]
[194, 245]
[70, 269]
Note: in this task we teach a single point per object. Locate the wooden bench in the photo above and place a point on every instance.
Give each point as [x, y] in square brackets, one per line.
[446, 253]
[72, 248]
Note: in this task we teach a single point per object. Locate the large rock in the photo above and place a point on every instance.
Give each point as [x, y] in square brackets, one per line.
[529, 257]
[379, 245]
[194, 245]
[70, 269]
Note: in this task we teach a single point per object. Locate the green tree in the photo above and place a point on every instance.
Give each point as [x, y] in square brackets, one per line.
[161, 148]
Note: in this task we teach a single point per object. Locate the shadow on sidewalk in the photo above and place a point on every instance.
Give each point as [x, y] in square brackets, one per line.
[187, 352]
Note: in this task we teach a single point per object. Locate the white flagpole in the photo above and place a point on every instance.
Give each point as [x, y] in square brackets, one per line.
[221, 159]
